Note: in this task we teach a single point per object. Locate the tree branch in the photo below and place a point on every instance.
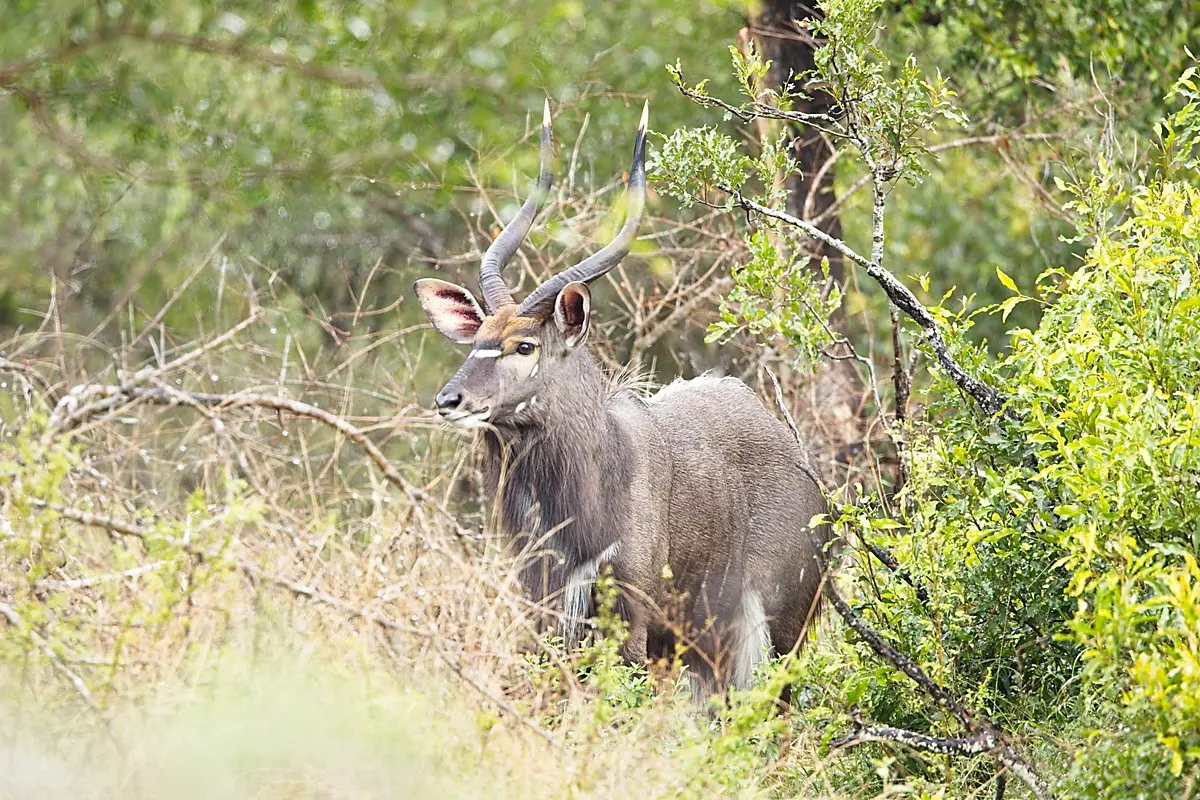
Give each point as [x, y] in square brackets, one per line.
[87, 400]
[990, 738]
[941, 745]
[989, 398]
[16, 69]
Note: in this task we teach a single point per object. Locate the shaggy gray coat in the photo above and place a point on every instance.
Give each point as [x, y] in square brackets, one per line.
[700, 478]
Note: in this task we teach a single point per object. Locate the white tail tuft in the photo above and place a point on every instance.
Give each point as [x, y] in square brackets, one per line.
[753, 640]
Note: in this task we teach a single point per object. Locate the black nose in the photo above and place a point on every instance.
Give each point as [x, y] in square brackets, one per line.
[448, 399]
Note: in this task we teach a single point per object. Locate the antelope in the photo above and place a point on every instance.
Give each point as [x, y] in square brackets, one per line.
[697, 498]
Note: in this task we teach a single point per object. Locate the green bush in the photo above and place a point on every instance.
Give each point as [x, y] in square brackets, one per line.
[1061, 550]
[1049, 555]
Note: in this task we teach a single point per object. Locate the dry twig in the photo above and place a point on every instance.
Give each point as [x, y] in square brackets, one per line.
[257, 575]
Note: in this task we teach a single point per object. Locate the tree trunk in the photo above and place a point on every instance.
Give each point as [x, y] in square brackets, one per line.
[829, 405]
[790, 49]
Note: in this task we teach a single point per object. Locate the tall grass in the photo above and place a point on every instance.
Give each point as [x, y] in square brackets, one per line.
[233, 599]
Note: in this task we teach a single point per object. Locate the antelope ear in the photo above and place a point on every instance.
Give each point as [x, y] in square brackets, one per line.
[572, 311]
[452, 309]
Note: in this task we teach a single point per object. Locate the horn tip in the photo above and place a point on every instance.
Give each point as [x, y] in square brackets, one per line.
[645, 117]
[546, 114]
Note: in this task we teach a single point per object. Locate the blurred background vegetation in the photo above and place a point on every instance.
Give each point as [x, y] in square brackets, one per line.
[304, 145]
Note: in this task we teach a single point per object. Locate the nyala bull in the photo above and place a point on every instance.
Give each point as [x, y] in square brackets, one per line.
[696, 497]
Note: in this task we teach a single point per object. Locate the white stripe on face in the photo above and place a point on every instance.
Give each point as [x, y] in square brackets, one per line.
[485, 354]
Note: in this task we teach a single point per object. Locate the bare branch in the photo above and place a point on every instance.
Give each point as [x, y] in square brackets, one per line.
[987, 742]
[805, 466]
[84, 583]
[941, 745]
[646, 340]
[902, 381]
[988, 398]
[89, 399]
[995, 138]
[967, 141]
[992, 739]
[239, 51]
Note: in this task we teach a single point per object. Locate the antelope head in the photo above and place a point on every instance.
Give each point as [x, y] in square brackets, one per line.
[517, 349]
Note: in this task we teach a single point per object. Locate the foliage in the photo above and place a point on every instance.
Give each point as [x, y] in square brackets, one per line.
[37, 543]
[693, 162]
[1119, 422]
[887, 117]
[1055, 552]
[1017, 50]
[1180, 132]
[776, 297]
[1061, 552]
[322, 142]
[317, 142]
[169, 162]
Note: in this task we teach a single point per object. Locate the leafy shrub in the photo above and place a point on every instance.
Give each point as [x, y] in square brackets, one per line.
[1051, 553]
[1061, 550]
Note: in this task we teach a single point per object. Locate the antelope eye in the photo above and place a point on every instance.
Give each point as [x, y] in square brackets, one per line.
[525, 348]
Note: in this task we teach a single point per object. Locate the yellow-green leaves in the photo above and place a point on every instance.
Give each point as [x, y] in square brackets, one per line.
[1007, 281]
[692, 164]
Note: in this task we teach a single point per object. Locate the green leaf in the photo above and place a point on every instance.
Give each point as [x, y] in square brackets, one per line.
[1007, 281]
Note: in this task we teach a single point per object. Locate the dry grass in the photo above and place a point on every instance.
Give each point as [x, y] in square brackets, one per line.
[241, 645]
[300, 594]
